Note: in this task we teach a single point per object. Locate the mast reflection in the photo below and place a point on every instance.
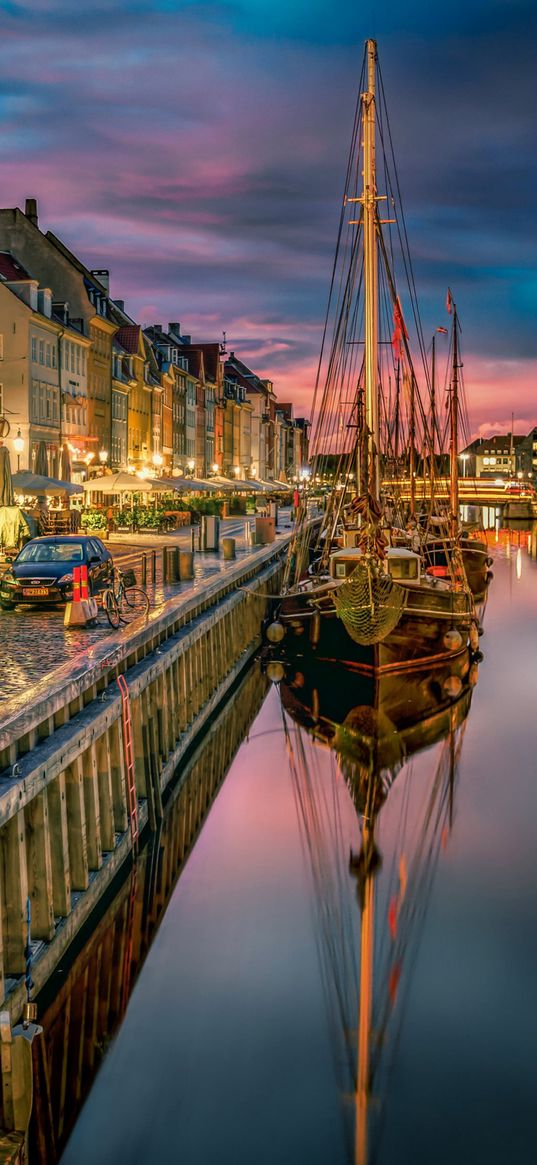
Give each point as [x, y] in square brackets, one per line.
[394, 752]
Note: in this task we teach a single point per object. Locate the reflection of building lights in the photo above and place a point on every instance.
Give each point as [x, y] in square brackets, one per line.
[519, 563]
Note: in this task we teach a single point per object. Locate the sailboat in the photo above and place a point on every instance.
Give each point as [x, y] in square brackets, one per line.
[368, 602]
[443, 528]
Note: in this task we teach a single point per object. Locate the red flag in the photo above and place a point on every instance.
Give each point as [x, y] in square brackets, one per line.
[449, 301]
[392, 918]
[444, 331]
[399, 329]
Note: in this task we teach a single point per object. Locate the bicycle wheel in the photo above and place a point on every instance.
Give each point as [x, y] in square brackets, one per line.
[110, 605]
[135, 604]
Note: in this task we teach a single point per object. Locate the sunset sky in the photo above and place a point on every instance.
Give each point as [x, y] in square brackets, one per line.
[198, 151]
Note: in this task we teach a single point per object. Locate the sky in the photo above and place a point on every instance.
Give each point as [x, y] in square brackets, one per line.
[198, 151]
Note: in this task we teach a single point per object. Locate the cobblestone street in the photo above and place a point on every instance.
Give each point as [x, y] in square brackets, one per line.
[34, 641]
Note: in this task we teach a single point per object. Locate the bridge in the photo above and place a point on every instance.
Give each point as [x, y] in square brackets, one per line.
[520, 501]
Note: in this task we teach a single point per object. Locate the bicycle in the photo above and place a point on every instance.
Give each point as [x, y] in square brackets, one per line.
[124, 601]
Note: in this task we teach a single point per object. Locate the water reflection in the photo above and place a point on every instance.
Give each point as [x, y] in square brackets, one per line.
[242, 1037]
[84, 1004]
[373, 730]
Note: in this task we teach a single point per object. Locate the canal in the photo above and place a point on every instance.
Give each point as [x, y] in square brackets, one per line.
[214, 1011]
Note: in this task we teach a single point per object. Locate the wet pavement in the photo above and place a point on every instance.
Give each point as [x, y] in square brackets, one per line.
[33, 640]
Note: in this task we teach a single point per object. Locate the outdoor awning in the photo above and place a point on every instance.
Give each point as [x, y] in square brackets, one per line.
[185, 485]
[35, 485]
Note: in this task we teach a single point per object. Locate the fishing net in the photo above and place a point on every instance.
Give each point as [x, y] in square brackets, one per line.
[368, 603]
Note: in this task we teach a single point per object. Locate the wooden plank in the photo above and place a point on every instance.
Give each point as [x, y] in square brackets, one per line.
[14, 893]
[39, 867]
[76, 825]
[117, 775]
[92, 808]
[59, 846]
[106, 800]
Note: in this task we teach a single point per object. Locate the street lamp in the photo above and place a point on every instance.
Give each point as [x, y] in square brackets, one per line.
[215, 467]
[157, 460]
[103, 456]
[191, 465]
[18, 446]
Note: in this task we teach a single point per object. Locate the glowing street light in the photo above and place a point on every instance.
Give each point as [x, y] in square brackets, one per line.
[18, 446]
[103, 456]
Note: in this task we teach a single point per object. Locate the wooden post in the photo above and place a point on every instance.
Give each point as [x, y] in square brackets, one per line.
[91, 804]
[59, 846]
[117, 775]
[39, 867]
[15, 893]
[106, 801]
[76, 824]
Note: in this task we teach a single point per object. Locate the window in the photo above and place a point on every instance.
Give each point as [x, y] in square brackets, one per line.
[1, 346]
[41, 351]
[48, 356]
[34, 349]
[78, 361]
[53, 356]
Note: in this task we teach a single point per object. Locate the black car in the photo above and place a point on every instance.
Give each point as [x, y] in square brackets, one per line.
[42, 572]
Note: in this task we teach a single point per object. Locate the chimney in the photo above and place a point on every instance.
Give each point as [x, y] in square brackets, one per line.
[120, 303]
[157, 328]
[175, 328]
[30, 210]
[103, 277]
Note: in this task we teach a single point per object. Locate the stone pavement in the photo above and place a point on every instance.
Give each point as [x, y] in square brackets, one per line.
[33, 640]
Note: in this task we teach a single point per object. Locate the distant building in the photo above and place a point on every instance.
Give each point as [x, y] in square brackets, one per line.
[497, 456]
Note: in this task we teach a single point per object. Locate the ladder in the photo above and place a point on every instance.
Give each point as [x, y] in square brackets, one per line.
[128, 753]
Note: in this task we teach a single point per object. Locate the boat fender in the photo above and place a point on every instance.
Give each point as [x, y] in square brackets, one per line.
[473, 674]
[275, 632]
[489, 561]
[453, 640]
[453, 687]
[473, 636]
[275, 671]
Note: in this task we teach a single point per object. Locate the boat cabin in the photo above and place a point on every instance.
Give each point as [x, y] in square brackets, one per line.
[402, 564]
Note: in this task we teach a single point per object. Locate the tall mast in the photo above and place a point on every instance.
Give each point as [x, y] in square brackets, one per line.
[454, 430]
[433, 419]
[369, 201]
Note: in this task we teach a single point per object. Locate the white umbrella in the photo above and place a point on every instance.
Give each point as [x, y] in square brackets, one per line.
[123, 483]
[35, 485]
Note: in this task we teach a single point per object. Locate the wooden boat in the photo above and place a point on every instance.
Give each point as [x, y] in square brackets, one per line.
[369, 605]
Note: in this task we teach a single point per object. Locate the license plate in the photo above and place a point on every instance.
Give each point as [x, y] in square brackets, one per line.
[29, 592]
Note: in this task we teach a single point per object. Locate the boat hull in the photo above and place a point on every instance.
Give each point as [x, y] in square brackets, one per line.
[418, 640]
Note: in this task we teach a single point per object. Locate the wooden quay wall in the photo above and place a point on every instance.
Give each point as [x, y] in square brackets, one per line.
[81, 1018]
[64, 822]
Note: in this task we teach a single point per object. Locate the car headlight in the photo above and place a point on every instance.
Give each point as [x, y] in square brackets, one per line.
[66, 578]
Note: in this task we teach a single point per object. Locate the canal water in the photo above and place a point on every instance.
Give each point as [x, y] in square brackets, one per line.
[216, 1011]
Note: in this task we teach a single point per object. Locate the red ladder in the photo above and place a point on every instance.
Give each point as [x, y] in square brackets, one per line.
[128, 753]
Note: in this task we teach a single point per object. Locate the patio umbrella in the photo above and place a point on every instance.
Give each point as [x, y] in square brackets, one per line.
[123, 483]
[6, 483]
[41, 460]
[64, 471]
[34, 485]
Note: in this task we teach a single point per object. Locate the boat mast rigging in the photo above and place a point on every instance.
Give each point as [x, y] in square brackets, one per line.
[369, 203]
